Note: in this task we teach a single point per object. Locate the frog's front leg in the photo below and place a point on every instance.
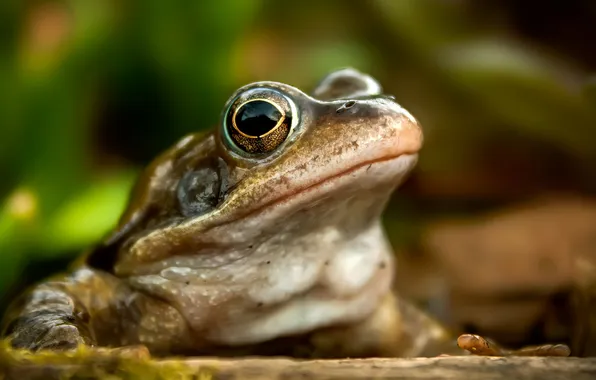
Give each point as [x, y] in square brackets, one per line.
[57, 313]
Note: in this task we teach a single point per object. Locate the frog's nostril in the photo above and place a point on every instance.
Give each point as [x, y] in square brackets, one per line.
[347, 105]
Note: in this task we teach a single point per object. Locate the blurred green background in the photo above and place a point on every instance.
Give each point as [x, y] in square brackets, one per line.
[92, 90]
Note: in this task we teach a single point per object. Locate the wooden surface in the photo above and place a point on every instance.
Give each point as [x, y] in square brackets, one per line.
[464, 367]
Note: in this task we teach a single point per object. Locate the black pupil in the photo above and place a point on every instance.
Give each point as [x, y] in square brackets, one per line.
[257, 118]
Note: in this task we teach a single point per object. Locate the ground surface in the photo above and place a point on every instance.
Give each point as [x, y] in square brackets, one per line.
[113, 367]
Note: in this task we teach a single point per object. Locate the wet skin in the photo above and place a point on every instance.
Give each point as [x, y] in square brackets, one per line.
[262, 237]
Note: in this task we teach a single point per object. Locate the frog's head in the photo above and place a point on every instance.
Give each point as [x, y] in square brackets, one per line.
[280, 165]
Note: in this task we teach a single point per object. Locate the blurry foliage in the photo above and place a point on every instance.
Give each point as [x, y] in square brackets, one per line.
[92, 90]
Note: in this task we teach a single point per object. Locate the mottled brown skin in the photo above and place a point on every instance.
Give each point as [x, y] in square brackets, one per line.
[274, 254]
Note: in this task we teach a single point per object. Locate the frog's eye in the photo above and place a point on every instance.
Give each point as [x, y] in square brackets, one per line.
[258, 121]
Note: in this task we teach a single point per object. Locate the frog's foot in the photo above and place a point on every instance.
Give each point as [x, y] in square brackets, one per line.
[477, 345]
[48, 330]
[47, 336]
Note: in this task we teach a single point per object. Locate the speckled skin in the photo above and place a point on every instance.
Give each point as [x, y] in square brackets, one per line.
[292, 260]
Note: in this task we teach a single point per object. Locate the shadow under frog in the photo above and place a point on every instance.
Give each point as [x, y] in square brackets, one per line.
[262, 237]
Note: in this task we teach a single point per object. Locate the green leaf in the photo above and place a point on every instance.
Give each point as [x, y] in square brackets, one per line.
[88, 216]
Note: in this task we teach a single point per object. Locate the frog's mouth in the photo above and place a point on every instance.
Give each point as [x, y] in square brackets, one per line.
[387, 172]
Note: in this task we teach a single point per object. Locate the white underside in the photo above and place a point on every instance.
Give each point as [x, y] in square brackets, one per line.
[348, 289]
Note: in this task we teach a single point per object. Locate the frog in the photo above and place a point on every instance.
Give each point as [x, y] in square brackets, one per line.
[262, 236]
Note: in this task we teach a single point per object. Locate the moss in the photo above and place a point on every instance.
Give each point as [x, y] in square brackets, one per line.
[92, 363]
